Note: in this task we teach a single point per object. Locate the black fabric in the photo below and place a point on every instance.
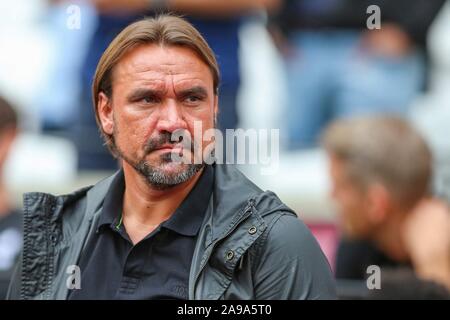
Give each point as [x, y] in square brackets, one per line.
[10, 245]
[354, 256]
[403, 284]
[155, 268]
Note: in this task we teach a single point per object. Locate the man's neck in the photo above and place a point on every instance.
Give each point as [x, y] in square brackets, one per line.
[388, 238]
[145, 207]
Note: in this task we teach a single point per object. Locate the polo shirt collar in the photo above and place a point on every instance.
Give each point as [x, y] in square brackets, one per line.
[187, 218]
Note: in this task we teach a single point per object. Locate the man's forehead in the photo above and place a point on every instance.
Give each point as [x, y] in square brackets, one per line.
[152, 61]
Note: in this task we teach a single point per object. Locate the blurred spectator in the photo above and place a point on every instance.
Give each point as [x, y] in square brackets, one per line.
[10, 219]
[427, 238]
[381, 171]
[57, 100]
[218, 21]
[336, 67]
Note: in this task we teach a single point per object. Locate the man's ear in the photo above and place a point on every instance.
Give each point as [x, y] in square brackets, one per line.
[105, 113]
[380, 203]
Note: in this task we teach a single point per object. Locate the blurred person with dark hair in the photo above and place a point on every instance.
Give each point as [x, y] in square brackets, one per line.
[337, 67]
[381, 171]
[10, 219]
[218, 21]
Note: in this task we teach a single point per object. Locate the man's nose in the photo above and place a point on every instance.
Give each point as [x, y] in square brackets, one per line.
[171, 117]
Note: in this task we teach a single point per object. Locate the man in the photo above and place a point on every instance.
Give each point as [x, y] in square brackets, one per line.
[164, 229]
[10, 219]
[381, 171]
[219, 22]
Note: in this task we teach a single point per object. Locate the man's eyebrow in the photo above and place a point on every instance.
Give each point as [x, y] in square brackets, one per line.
[197, 90]
[142, 93]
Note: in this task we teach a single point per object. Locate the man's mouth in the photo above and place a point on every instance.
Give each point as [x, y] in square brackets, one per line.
[170, 148]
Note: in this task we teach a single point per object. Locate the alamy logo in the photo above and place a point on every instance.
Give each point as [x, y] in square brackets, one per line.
[374, 20]
[374, 278]
[74, 19]
[249, 146]
[73, 281]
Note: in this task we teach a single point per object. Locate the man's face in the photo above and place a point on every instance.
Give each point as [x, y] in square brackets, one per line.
[351, 201]
[157, 91]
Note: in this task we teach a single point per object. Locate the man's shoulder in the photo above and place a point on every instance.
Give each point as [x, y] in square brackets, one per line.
[290, 232]
[286, 234]
[288, 247]
[90, 197]
[235, 187]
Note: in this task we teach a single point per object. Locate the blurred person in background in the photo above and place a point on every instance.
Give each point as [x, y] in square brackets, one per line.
[381, 171]
[218, 21]
[58, 97]
[10, 219]
[426, 236]
[337, 67]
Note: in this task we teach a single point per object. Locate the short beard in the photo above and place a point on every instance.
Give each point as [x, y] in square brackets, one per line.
[154, 176]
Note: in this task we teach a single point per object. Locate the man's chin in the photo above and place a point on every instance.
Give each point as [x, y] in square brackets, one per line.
[172, 168]
[166, 174]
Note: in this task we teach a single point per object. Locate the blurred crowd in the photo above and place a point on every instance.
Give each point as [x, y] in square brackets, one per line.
[349, 90]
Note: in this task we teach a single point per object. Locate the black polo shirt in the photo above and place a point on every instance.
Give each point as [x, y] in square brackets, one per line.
[155, 268]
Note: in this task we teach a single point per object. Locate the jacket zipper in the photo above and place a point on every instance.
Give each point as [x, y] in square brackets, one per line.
[247, 212]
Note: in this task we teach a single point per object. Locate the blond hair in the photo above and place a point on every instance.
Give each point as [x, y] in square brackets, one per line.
[382, 149]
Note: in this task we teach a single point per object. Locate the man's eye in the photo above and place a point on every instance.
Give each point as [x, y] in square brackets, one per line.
[149, 100]
[193, 99]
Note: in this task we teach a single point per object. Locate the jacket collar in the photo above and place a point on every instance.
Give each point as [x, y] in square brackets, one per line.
[234, 198]
[231, 192]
